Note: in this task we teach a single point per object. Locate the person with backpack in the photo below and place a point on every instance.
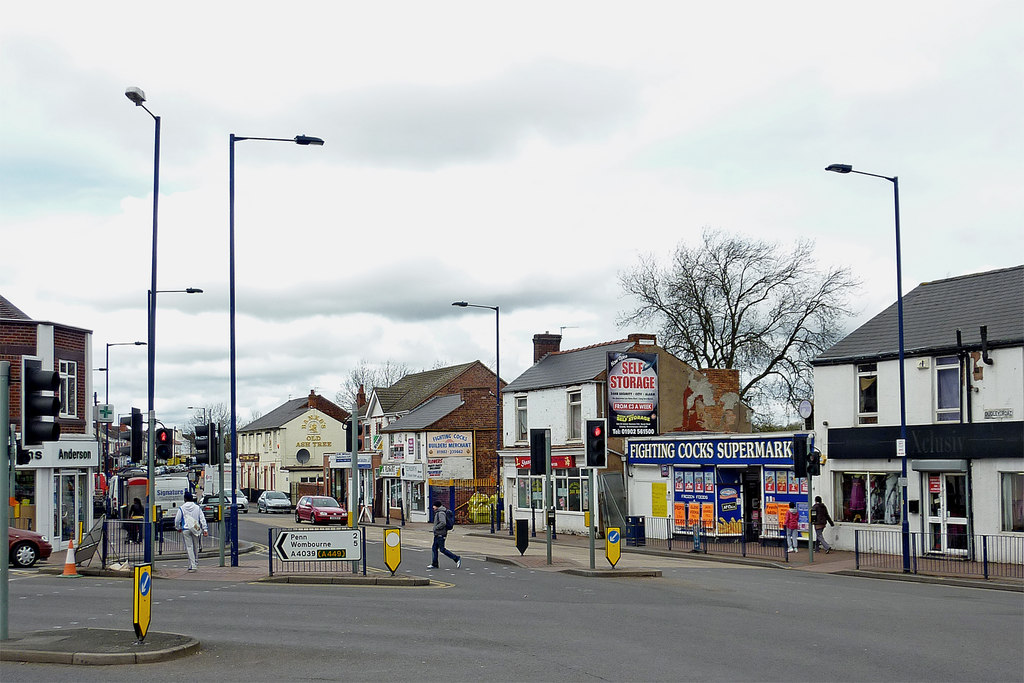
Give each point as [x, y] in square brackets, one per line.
[444, 521]
[191, 522]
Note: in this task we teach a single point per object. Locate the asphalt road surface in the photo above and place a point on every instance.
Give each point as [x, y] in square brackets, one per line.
[700, 621]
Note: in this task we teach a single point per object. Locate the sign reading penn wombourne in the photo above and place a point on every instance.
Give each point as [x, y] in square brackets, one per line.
[632, 394]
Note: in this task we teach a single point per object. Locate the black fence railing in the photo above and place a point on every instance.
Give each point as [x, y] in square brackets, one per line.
[123, 542]
[957, 554]
[744, 541]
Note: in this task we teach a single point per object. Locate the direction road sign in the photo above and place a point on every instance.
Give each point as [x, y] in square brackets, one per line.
[143, 599]
[612, 546]
[321, 544]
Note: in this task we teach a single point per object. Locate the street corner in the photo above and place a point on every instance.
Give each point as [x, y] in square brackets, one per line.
[96, 647]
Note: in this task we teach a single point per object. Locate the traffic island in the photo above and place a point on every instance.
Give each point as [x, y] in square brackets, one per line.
[356, 580]
[96, 647]
[610, 573]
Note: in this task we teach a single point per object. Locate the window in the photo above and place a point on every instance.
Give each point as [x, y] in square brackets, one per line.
[867, 394]
[1012, 501]
[947, 389]
[868, 497]
[521, 424]
[574, 428]
[68, 388]
[572, 490]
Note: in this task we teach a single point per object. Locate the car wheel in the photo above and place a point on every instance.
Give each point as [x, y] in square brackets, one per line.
[298, 520]
[24, 555]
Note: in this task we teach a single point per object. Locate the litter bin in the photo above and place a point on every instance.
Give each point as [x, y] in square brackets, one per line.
[636, 531]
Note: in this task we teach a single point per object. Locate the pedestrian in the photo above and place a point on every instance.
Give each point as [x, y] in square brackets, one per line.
[792, 528]
[191, 522]
[135, 518]
[820, 517]
[440, 535]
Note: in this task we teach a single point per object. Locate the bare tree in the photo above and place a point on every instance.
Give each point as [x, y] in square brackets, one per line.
[368, 376]
[738, 303]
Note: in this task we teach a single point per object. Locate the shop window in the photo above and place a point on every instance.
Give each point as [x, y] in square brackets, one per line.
[1012, 486]
[68, 370]
[521, 423]
[572, 490]
[947, 389]
[867, 497]
[867, 394]
[574, 426]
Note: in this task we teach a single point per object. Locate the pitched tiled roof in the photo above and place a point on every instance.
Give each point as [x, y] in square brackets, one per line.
[291, 409]
[414, 389]
[10, 311]
[572, 366]
[427, 414]
[932, 313]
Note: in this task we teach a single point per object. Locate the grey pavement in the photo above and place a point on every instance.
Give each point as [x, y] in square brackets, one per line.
[568, 554]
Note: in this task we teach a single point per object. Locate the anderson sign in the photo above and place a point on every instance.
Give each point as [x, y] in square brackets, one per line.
[65, 453]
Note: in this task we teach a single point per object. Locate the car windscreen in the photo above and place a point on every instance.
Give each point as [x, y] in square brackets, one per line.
[325, 503]
[276, 495]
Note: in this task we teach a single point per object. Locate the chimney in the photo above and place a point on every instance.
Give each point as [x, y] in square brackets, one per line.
[546, 343]
[643, 339]
[360, 397]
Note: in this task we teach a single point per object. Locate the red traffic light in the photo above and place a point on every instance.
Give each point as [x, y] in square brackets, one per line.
[163, 436]
[596, 430]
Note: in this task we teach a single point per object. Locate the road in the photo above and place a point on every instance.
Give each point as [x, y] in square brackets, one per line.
[488, 621]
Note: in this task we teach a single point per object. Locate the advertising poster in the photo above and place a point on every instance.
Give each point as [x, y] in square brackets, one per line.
[659, 499]
[707, 515]
[794, 485]
[698, 484]
[693, 518]
[730, 520]
[688, 481]
[709, 481]
[679, 513]
[769, 481]
[632, 394]
[781, 482]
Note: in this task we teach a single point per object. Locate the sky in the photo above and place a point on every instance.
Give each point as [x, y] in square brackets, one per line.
[521, 155]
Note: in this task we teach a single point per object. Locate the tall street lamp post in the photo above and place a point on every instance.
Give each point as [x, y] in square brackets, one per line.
[497, 406]
[901, 443]
[106, 399]
[137, 96]
[232, 139]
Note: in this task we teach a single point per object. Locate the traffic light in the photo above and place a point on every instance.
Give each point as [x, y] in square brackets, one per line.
[596, 443]
[206, 448]
[164, 444]
[136, 435]
[814, 463]
[800, 455]
[538, 451]
[38, 411]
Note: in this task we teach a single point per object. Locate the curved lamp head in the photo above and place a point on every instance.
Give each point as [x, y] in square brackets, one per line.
[308, 140]
[839, 168]
[135, 95]
[193, 290]
[463, 304]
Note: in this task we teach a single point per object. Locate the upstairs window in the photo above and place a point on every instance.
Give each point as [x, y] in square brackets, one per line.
[867, 394]
[947, 389]
[521, 424]
[68, 370]
[574, 426]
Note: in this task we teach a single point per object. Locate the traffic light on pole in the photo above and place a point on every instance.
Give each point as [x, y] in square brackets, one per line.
[204, 443]
[164, 444]
[136, 435]
[39, 411]
[800, 455]
[596, 445]
[814, 463]
[538, 452]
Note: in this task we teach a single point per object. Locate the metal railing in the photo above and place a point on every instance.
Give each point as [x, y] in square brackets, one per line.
[124, 542]
[957, 554]
[748, 541]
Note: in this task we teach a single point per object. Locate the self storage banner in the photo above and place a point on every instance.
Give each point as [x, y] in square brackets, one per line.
[632, 394]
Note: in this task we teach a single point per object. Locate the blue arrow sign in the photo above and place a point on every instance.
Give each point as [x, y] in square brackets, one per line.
[613, 536]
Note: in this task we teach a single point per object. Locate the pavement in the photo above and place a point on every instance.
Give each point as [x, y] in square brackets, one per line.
[569, 554]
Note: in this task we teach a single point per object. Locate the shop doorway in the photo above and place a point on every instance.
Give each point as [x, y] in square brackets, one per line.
[68, 506]
[947, 522]
[752, 508]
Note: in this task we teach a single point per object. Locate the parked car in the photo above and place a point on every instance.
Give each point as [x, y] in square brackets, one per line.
[212, 500]
[25, 548]
[320, 510]
[273, 501]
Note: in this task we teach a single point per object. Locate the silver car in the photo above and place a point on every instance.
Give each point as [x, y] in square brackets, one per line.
[273, 501]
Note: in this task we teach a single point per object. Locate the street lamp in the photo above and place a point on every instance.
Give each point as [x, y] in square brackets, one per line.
[497, 405]
[232, 139]
[901, 443]
[106, 399]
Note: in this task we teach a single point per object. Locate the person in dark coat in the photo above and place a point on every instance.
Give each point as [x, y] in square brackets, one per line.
[440, 535]
[819, 518]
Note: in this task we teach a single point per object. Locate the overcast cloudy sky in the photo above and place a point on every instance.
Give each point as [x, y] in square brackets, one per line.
[511, 154]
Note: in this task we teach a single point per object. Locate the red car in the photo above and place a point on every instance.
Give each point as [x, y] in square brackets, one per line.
[26, 547]
[320, 510]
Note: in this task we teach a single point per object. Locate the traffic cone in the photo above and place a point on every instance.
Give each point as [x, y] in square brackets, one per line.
[69, 562]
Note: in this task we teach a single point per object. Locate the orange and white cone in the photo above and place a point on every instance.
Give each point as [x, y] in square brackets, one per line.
[69, 562]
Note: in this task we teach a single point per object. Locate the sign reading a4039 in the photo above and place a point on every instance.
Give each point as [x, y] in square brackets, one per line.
[322, 544]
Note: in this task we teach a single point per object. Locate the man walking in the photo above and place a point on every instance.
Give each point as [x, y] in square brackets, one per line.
[191, 522]
[440, 534]
[820, 517]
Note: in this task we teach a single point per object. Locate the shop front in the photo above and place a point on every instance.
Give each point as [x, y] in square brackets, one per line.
[721, 485]
[571, 493]
[414, 481]
[340, 482]
[54, 490]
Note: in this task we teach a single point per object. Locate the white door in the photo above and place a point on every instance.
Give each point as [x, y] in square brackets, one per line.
[947, 513]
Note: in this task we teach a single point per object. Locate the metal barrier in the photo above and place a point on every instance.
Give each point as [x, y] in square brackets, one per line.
[966, 555]
[124, 542]
[661, 533]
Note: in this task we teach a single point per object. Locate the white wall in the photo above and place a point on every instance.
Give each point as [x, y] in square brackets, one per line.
[546, 409]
